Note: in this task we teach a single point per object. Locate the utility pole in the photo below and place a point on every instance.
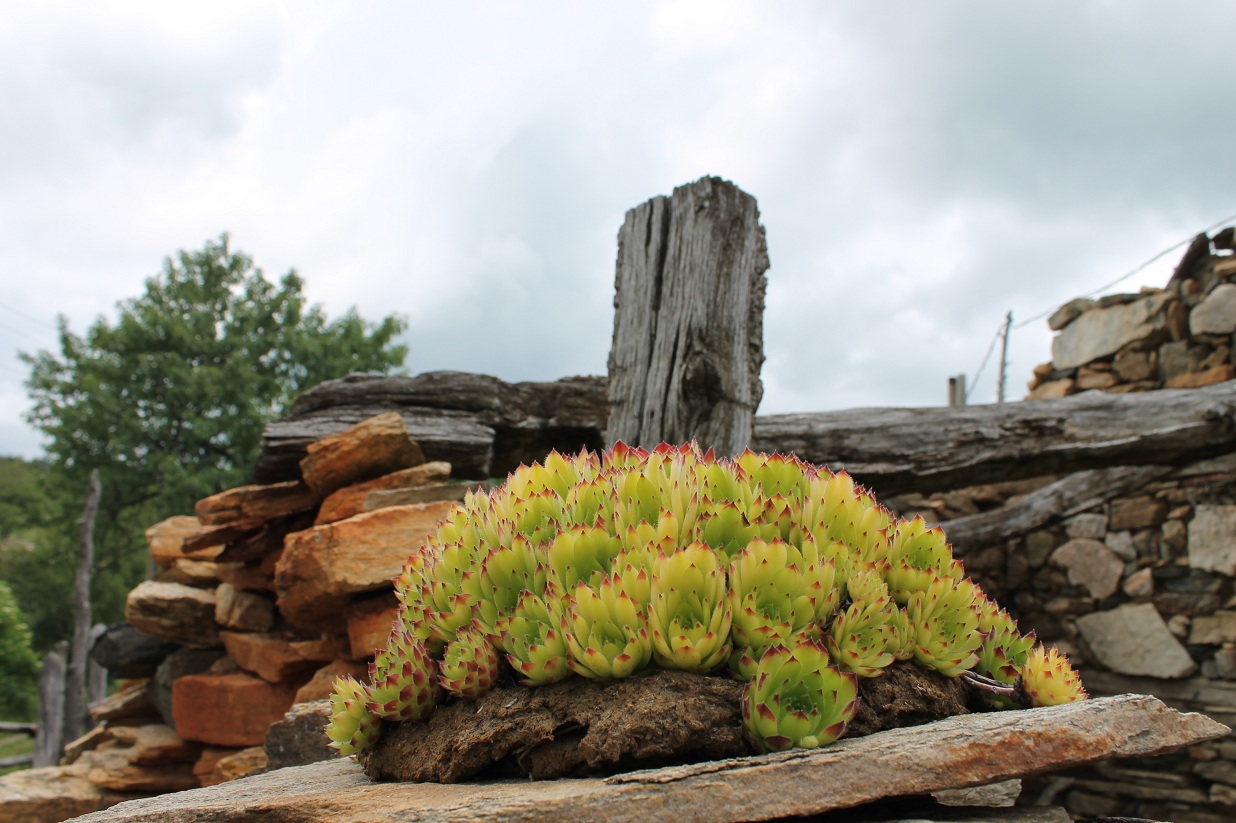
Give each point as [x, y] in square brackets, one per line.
[957, 391]
[1004, 356]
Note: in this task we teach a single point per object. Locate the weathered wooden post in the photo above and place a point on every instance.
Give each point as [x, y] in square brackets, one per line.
[50, 739]
[688, 319]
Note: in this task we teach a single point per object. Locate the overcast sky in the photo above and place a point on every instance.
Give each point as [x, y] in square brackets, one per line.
[921, 168]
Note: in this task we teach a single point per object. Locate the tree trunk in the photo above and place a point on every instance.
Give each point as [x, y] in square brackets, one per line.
[50, 739]
[688, 321]
[96, 675]
[75, 699]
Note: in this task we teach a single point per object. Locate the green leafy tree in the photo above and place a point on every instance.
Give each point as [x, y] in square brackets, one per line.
[168, 402]
[19, 668]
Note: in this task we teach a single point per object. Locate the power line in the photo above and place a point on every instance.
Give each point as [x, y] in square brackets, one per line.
[28, 317]
[990, 348]
[1125, 277]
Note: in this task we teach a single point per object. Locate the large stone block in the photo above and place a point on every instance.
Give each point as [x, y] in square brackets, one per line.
[322, 568]
[372, 448]
[1102, 332]
[173, 611]
[1134, 639]
[353, 500]
[182, 536]
[228, 709]
[1212, 539]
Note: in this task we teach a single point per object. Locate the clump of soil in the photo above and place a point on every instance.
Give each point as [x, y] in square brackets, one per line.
[581, 726]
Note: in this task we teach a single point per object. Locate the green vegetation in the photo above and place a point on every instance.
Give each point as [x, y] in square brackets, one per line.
[19, 669]
[168, 402]
[12, 745]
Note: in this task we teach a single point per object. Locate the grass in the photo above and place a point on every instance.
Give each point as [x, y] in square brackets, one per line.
[12, 745]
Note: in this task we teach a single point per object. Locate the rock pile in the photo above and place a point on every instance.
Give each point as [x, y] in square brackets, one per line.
[262, 599]
[1177, 337]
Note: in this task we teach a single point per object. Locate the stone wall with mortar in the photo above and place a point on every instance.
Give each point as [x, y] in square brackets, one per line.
[1180, 336]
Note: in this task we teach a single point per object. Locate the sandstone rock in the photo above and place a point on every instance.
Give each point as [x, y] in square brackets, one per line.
[240, 764]
[369, 624]
[1090, 564]
[132, 703]
[300, 737]
[243, 610]
[88, 742]
[175, 612]
[1089, 378]
[1128, 513]
[1090, 525]
[1131, 365]
[126, 653]
[1139, 584]
[1133, 639]
[50, 795]
[351, 500]
[1216, 628]
[254, 503]
[1069, 312]
[377, 446]
[188, 572]
[323, 567]
[155, 744]
[278, 658]
[205, 770]
[247, 577]
[1053, 389]
[1102, 332]
[1195, 380]
[322, 684]
[112, 770]
[168, 541]
[1180, 357]
[1004, 793]
[266, 539]
[1217, 313]
[177, 665]
[228, 709]
[1212, 539]
[962, 751]
[1122, 544]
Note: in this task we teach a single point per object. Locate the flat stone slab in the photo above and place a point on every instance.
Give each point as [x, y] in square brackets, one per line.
[960, 751]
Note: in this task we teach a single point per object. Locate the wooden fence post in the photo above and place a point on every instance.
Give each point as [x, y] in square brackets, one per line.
[50, 739]
[688, 319]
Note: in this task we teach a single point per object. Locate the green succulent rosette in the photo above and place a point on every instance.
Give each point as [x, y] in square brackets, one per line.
[689, 613]
[469, 668]
[776, 591]
[1049, 680]
[944, 621]
[606, 632]
[796, 699]
[352, 727]
[403, 679]
[866, 637]
[534, 642]
[918, 555]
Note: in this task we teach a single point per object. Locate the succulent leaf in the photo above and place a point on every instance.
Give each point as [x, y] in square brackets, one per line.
[606, 631]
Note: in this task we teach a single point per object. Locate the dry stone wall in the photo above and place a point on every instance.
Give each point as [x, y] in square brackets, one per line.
[1177, 337]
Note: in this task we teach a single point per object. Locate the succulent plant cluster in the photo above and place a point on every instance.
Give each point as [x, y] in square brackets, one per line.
[787, 576]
